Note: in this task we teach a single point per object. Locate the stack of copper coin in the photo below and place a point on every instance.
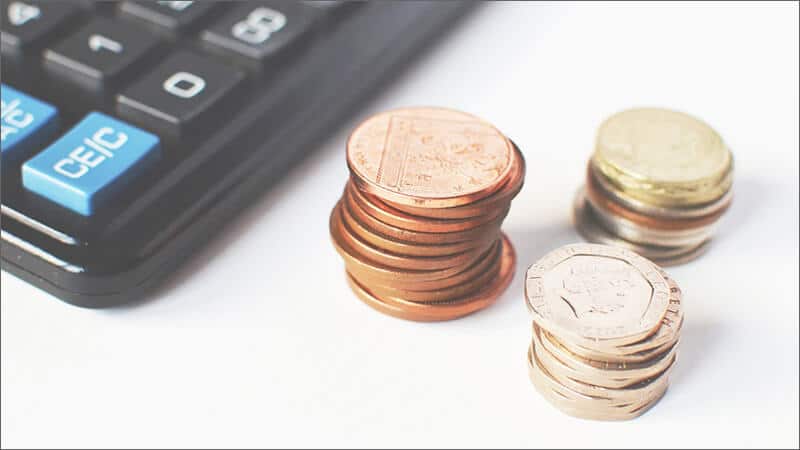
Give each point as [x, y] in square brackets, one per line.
[606, 325]
[419, 223]
[657, 184]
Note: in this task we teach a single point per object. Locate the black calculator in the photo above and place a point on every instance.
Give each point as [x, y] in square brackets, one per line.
[133, 131]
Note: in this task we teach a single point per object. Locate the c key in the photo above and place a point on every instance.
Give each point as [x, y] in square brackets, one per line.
[89, 165]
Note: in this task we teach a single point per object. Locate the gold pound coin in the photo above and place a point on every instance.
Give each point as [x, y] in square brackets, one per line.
[663, 157]
[603, 199]
[603, 187]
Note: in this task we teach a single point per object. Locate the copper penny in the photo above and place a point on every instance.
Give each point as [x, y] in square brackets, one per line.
[404, 248]
[596, 196]
[482, 264]
[379, 271]
[382, 257]
[438, 295]
[431, 312]
[391, 216]
[420, 237]
[498, 200]
[429, 157]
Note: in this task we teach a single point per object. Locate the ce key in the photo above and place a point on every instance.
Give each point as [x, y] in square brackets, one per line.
[93, 162]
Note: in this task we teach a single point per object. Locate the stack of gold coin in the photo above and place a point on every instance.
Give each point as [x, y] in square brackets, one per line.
[657, 184]
[419, 223]
[606, 324]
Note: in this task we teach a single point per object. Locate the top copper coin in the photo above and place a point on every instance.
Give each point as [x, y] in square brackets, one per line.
[596, 295]
[429, 157]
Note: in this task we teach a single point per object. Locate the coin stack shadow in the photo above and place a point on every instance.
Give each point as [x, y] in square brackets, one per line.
[657, 184]
[608, 379]
[426, 264]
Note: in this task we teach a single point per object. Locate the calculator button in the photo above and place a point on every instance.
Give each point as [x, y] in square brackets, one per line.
[99, 55]
[27, 124]
[178, 93]
[257, 31]
[86, 167]
[171, 16]
[27, 25]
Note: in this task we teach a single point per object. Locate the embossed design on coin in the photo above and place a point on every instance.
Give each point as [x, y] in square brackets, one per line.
[595, 292]
[420, 155]
[598, 290]
[662, 146]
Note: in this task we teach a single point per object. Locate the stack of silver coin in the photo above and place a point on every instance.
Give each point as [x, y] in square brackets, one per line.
[606, 326]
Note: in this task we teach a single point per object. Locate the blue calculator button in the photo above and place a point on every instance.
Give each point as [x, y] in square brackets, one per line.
[86, 167]
[27, 124]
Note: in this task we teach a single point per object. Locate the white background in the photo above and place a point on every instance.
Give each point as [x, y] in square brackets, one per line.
[259, 342]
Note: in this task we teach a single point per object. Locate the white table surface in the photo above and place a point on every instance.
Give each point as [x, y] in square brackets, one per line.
[259, 342]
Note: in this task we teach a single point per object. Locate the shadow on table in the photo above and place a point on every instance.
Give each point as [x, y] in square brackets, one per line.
[748, 201]
[699, 339]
